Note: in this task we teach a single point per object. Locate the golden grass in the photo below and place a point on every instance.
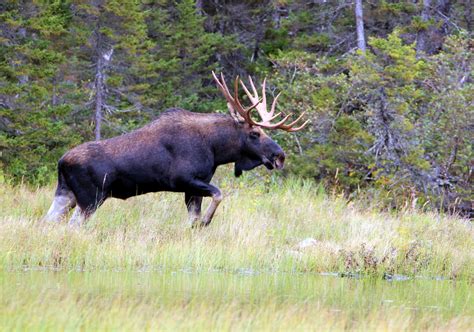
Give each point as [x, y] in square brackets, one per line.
[258, 226]
[141, 267]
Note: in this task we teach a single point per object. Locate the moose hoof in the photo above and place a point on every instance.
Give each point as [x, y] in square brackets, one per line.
[201, 224]
[193, 222]
[205, 223]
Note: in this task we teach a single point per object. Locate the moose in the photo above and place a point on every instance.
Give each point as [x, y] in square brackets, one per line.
[178, 152]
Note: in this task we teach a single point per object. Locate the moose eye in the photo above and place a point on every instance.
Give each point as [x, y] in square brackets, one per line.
[254, 134]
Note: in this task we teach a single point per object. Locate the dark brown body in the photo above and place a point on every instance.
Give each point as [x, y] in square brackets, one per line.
[178, 152]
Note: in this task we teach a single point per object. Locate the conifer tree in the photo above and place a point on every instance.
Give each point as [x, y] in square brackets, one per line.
[33, 119]
[184, 56]
[111, 47]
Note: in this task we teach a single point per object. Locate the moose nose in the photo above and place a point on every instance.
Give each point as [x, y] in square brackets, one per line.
[279, 155]
[279, 159]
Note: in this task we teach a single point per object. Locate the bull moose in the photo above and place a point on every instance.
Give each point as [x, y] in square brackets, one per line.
[178, 152]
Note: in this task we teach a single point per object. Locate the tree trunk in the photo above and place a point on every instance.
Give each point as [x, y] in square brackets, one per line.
[54, 96]
[199, 5]
[259, 34]
[100, 94]
[276, 17]
[468, 15]
[421, 40]
[99, 87]
[444, 8]
[360, 25]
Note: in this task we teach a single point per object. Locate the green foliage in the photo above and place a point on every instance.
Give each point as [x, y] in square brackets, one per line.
[392, 122]
[418, 24]
[398, 91]
[397, 8]
[119, 26]
[34, 134]
[275, 40]
[315, 42]
[380, 124]
[341, 160]
[185, 55]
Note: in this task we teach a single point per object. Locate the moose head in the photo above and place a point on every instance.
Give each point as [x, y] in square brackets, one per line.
[258, 147]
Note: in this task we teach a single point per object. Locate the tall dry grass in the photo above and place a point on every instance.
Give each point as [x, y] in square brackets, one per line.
[141, 266]
[258, 226]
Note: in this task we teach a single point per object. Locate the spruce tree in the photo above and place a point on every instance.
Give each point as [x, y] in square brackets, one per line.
[33, 120]
[110, 45]
[184, 56]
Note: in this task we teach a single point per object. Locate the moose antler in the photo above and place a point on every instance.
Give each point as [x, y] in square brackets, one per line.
[238, 111]
[268, 116]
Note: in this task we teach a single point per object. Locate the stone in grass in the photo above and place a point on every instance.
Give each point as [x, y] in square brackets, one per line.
[306, 243]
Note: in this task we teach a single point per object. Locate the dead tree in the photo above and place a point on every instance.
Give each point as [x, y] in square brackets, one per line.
[103, 61]
[360, 25]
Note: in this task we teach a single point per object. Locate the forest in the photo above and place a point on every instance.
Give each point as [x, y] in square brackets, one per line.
[367, 228]
[387, 85]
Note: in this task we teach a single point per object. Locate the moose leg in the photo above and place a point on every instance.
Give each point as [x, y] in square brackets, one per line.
[62, 203]
[216, 200]
[77, 218]
[193, 203]
[87, 204]
[201, 188]
[80, 215]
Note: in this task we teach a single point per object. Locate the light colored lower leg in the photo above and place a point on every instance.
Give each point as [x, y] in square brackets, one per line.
[216, 200]
[60, 206]
[193, 218]
[77, 218]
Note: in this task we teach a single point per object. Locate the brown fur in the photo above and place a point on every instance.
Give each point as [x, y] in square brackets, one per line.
[177, 152]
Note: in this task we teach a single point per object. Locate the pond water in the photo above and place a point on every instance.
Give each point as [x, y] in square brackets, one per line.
[241, 300]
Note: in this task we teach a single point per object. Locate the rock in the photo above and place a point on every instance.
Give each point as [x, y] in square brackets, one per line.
[306, 243]
[295, 254]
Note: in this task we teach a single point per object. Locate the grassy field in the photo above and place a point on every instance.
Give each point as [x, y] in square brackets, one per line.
[228, 301]
[138, 258]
